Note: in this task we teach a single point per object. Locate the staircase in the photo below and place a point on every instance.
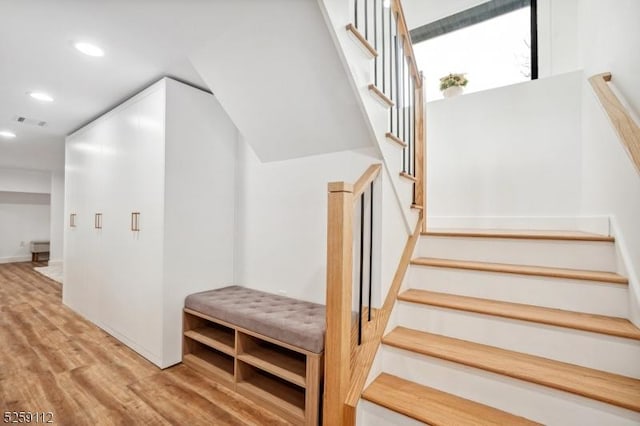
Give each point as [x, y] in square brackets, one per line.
[509, 327]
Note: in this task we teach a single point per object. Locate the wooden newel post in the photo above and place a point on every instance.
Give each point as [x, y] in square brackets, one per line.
[339, 288]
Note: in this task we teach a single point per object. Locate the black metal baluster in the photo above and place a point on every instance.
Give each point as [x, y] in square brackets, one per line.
[412, 151]
[402, 82]
[413, 121]
[355, 13]
[406, 109]
[405, 133]
[391, 53]
[402, 101]
[397, 78]
[370, 248]
[384, 64]
[400, 88]
[413, 109]
[366, 19]
[361, 267]
[375, 43]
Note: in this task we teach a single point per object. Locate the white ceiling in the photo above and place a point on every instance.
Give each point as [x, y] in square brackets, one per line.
[143, 40]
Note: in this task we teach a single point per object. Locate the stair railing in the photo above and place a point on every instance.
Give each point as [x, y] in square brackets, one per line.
[348, 204]
[382, 24]
[627, 129]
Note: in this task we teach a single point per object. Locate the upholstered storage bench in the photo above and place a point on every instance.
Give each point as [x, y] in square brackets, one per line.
[38, 248]
[264, 346]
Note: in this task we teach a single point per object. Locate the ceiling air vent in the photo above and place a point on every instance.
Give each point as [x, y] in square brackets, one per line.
[29, 121]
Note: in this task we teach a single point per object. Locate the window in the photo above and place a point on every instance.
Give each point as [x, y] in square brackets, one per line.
[491, 43]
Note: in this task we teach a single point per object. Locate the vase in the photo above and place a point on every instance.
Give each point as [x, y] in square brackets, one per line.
[452, 91]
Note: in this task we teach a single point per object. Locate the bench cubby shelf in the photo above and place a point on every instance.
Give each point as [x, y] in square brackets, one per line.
[283, 378]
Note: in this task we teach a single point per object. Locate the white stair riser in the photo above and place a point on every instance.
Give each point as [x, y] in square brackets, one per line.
[405, 190]
[571, 295]
[597, 256]
[593, 350]
[370, 414]
[539, 403]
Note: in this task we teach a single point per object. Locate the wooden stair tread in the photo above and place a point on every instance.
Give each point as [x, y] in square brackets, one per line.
[574, 274]
[599, 385]
[612, 326]
[393, 138]
[407, 176]
[361, 38]
[373, 89]
[520, 234]
[434, 407]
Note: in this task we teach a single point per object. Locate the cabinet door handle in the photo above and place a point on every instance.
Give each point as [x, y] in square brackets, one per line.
[72, 220]
[98, 221]
[135, 221]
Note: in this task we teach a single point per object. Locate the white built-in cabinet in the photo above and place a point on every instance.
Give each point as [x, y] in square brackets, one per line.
[168, 154]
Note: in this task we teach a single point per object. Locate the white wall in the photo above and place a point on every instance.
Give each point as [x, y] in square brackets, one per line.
[282, 206]
[512, 151]
[24, 217]
[557, 37]
[611, 186]
[24, 211]
[609, 41]
[282, 219]
[23, 180]
[36, 151]
[57, 220]
[593, 35]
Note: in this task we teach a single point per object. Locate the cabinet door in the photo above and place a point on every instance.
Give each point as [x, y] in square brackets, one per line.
[74, 289]
[119, 137]
[132, 300]
[93, 278]
[146, 246]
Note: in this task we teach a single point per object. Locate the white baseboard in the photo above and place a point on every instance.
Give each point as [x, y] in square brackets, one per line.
[55, 262]
[595, 224]
[15, 259]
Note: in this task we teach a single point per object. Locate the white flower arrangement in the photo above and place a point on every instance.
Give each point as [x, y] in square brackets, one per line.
[452, 80]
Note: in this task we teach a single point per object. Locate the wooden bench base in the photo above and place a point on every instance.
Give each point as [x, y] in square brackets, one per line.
[35, 257]
[284, 378]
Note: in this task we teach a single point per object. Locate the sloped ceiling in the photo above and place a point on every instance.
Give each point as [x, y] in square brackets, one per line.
[147, 39]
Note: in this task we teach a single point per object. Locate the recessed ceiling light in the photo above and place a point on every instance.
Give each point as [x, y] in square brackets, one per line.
[41, 96]
[89, 49]
[7, 134]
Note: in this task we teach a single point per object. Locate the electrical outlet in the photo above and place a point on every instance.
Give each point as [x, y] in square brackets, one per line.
[22, 243]
[282, 292]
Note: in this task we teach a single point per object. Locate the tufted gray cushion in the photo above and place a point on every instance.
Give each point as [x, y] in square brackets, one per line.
[291, 321]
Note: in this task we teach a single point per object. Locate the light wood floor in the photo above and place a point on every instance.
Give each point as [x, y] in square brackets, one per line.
[53, 360]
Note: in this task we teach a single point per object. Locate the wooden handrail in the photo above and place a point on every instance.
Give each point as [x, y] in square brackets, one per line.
[367, 177]
[627, 129]
[363, 360]
[346, 373]
[408, 44]
[421, 136]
